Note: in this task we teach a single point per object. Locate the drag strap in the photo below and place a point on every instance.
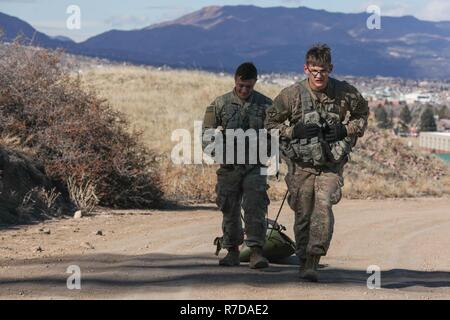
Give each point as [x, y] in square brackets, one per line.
[218, 243]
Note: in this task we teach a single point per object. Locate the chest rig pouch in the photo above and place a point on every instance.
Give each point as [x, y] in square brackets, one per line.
[308, 151]
[245, 117]
[317, 151]
[337, 151]
[249, 116]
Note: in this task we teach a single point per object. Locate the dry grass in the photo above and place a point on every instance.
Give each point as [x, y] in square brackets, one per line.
[50, 197]
[82, 193]
[158, 101]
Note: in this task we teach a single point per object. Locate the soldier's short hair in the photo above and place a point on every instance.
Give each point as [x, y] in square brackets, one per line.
[246, 71]
[319, 55]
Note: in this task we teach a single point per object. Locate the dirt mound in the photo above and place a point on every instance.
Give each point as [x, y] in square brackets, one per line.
[26, 192]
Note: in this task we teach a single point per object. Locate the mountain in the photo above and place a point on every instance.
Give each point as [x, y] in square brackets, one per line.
[276, 39]
[12, 27]
[62, 38]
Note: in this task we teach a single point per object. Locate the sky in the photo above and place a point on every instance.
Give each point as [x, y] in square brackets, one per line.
[97, 16]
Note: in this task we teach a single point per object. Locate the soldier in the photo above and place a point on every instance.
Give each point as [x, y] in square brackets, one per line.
[325, 116]
[241, 185]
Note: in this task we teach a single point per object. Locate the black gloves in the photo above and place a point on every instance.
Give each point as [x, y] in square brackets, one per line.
[332, 133]
[335, 132]
[305, 131]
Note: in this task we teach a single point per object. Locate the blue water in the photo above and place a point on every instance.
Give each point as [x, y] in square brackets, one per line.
[443, 156]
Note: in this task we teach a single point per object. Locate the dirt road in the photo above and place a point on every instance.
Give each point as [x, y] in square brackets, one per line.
[169, 255]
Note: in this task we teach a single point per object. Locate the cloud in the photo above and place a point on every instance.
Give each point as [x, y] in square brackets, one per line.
[162, 7]
[127, 21]
[436, 10]
[433, 10]
[397, 10]
[391, 8]
[135, 22]
[18, 1]
[58, 28]
[293, 2]
[61, 24]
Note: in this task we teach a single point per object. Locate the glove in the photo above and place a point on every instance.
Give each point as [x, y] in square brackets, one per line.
[335, 132]
[305, 131]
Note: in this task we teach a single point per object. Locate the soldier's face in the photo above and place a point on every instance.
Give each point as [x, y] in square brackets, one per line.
[318, 76]
[244, 88]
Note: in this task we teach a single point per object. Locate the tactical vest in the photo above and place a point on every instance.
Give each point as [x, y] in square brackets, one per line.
[235, 116]
[248, 116]
[317, 151]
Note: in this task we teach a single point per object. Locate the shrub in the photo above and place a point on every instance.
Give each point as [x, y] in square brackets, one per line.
[73, 132]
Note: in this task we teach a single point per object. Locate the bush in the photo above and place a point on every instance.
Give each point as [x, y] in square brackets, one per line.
[73, 132]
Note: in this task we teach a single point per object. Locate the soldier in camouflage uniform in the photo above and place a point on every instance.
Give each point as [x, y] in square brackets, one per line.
[319, 120]
[241, 185]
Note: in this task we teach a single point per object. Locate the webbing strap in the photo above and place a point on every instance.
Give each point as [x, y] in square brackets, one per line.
[306, 99]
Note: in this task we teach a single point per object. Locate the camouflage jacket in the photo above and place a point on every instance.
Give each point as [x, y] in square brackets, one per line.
[286, 110]
[230, 112]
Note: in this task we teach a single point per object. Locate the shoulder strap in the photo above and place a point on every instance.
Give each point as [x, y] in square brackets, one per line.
[306, 98]
[339, 95]
[337, 89]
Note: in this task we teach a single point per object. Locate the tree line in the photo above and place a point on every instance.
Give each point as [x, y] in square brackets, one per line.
[423, 117]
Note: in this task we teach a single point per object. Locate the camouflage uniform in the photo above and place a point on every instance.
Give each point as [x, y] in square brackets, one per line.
[240, 184]
[314, 189]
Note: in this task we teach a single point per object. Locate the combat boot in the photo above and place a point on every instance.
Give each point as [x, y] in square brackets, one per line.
[231, 259]
[309, 272]
[257, 260]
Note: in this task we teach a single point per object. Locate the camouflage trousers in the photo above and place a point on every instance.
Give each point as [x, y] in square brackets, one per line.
[311, 196]
[242, 186]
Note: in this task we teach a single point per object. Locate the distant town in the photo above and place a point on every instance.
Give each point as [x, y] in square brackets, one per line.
[383, 89]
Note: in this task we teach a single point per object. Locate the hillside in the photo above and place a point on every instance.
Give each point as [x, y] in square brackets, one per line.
[12, 27]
